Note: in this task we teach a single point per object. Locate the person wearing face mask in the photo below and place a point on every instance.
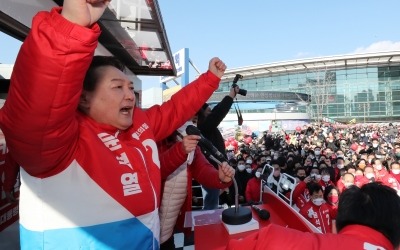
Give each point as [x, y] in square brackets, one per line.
[384, 176]
[331, 197]
[333, 172]
[359, 177]
[339, 165]
[241, 177]
[314, 174]
[249, 161]
[316, 211]
[308, 164]
[331, 143]
[340, 154]
[253, 187]
[325, 179]
[301, 193]
[395, 170]
[300, 174]
[346, 181]
[380, 170]
[358, 228]
[248, 166]
[317, 153]
[369, 175]
[274, 177]
[375, 146]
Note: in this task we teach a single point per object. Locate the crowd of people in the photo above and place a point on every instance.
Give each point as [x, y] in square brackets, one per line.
[98, 172]
[324, 161]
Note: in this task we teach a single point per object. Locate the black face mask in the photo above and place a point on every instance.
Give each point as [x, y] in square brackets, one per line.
[301, 178]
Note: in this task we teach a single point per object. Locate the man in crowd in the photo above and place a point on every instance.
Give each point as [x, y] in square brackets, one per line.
[368, 218]
[208, 122]
[316, 211]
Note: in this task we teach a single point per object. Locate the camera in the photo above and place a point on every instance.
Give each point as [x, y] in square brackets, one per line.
[242, 92]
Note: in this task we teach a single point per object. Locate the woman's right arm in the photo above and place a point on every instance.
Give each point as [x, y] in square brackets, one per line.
[39, 116]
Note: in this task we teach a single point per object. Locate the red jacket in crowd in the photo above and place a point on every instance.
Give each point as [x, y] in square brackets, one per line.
[324, 184]
[301, 195]
[253, 189]
[318, 216]
[333, 210]
[396, 176]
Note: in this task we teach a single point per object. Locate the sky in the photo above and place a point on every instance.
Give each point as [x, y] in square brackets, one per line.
[244, 33]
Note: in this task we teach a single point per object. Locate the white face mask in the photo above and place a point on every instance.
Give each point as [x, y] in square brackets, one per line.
[378, 167]
[258, 174]
[369, 175]
[317, 152]
[340, 166]
[396, 171]
[348, 184]
[374, 145]
[318, 201]
[248, 170]
[241, 167]
[249, 161]
[326, 178]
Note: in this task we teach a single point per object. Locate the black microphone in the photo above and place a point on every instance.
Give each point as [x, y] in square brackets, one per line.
[235, 215]
[262, 213]
[204, 143]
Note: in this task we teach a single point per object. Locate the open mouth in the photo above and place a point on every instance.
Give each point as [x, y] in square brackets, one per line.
[126, 110]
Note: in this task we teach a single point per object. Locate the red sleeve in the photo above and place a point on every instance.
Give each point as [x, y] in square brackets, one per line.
[390, 181]
[252, 190]
[340, 185]
[171, 158]
[182, 106]
[11, 169]
[205, 173]
[299, 189]
[39, 116]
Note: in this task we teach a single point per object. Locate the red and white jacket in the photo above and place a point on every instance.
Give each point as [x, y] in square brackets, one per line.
[301, 195]
[319, 216]
[85, 184]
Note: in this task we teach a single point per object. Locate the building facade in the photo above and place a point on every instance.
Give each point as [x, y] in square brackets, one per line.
[365, 87]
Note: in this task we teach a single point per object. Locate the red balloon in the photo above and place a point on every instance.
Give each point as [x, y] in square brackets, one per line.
[298, 128]
[248, 140]
[234, 143]
[227, 144]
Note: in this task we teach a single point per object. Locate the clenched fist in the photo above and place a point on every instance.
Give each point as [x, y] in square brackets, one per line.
[217, 67]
